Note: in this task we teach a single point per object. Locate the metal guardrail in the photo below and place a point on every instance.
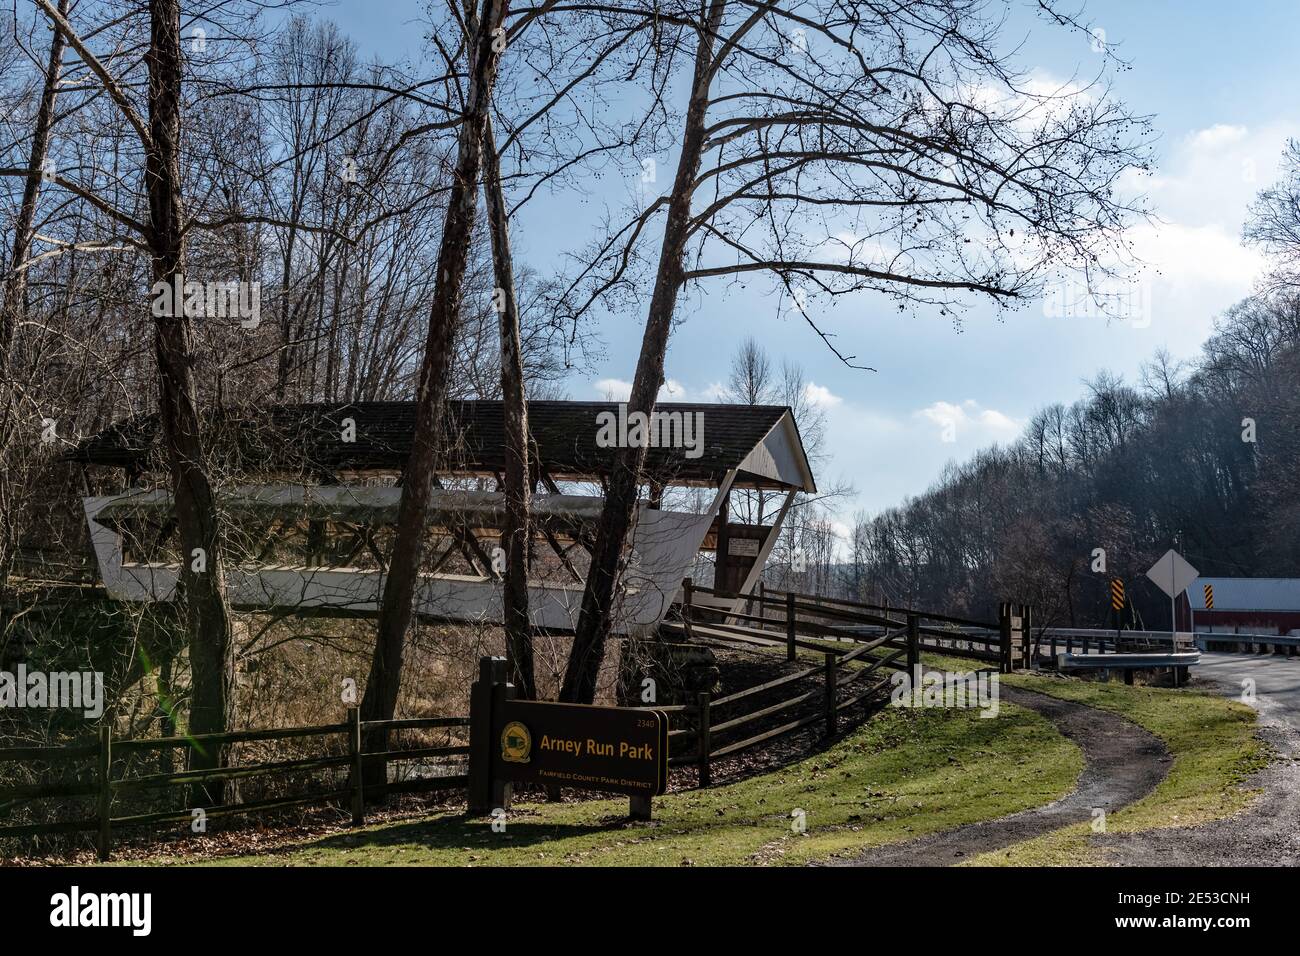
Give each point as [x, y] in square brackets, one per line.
[1279, 643]
[1185, 638]
[1125, 661]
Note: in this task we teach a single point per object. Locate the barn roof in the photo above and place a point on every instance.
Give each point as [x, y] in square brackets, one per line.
[761, 441]
[1247, 594]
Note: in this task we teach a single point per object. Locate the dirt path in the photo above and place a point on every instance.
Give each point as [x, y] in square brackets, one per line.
[1123, 763]
[1265, 834]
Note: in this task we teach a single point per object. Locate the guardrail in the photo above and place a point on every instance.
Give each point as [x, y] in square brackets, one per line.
[1176, 661]
[1285, 645]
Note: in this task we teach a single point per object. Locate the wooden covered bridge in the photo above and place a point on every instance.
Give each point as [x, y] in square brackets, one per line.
[310, 496]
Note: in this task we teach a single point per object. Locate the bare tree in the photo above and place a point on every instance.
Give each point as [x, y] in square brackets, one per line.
[1274, 223]
[484, 48]
[163, 235]
[899, 154]
[750, 381]
[16, 275]
[516, 533]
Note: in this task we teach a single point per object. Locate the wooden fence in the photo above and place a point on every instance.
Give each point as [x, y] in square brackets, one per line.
[858, 646]
[799, 617]
[105, 785]
[879, 639]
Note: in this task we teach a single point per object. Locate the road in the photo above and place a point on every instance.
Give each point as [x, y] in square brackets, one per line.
[1276, 680]
[1265, 834]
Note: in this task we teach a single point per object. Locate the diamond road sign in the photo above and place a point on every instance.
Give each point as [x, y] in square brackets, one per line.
[1172, 574]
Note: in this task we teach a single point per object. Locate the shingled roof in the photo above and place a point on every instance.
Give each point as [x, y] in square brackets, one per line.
[307, 438]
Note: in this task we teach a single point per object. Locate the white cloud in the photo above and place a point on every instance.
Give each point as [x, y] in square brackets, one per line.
[1212, 174]
[619, 390]
[1217, 136]
[820, 395]
[969, 420]
[1191, 261]
[1196, 254]
[613, 389]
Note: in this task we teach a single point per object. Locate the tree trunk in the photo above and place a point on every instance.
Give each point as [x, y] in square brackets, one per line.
[202, 577]
[13, 310]
[515, 534]
[620, 501]
[380, 698]
[16, 284]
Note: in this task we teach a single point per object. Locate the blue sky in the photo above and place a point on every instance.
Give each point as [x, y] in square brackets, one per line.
[1220, 81]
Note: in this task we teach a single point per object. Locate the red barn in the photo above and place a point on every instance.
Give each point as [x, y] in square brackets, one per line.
[1242, 606]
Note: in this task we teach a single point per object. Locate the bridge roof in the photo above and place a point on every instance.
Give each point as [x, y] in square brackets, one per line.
[760, 441]
[1247, 594]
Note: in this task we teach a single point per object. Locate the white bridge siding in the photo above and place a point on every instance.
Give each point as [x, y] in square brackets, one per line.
[663, 544]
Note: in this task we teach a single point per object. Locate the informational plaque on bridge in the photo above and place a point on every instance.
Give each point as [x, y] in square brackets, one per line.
[614, 749]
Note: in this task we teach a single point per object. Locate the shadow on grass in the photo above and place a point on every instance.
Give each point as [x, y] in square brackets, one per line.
[458, 832]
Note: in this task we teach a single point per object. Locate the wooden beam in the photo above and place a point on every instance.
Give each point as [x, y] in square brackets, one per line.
[562, 553]
[756, 572]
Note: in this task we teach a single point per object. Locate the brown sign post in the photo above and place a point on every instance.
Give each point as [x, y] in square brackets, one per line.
[611, 749]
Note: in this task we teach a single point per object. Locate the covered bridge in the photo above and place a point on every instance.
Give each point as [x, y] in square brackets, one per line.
[310, 496]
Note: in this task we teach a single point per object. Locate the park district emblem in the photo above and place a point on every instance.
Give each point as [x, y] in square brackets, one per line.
[516, 743]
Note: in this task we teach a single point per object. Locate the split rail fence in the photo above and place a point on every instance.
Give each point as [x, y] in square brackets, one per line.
[879, 640]
[855, 648]
[104, 785]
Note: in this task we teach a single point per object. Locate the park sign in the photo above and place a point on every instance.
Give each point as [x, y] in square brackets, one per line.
[1172, 574]
[615, 749]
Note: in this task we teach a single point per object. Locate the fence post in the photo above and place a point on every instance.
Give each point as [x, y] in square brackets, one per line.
[1004, 635]
[105, 802]
[688, 598]
[706, 772]
[913, 645]
[762, 593]
[358, 774]
[1031, 645]
[1017, 636]
[789, 625]
[482, 695]
[830, 694]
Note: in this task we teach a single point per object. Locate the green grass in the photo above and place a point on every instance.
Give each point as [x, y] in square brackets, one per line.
[900, 775]
[1214, 749]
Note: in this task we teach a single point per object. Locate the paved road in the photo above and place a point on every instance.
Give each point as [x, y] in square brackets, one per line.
[1277, 681]
[1266, 833]
[1124, 763]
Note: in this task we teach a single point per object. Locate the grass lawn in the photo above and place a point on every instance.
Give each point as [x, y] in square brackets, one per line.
[902, 774]
[1214, 749]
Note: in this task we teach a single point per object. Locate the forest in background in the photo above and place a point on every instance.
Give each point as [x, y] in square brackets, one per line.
[1203, 456]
